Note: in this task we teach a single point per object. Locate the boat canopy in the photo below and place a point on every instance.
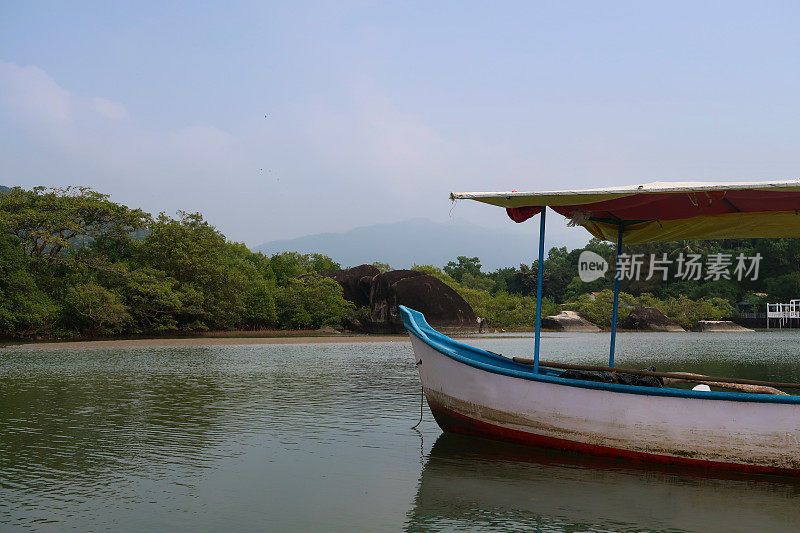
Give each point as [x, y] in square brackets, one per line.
[665, 211]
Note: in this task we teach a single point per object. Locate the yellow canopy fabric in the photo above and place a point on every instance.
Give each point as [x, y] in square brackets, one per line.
[732, 226]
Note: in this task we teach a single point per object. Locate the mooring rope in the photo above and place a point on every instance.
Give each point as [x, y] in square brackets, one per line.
[421, 402]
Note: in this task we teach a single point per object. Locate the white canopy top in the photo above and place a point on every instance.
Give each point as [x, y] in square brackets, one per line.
[581, 196]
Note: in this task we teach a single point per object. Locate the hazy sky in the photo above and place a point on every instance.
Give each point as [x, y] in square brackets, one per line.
[375, 111]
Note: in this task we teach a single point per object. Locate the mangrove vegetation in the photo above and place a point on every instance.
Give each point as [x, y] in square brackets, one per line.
[75, 264]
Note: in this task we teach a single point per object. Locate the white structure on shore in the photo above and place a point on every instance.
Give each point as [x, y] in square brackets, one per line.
[784, 313]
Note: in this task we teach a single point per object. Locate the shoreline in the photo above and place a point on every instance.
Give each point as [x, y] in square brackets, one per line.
[206, 341]
[230, 338]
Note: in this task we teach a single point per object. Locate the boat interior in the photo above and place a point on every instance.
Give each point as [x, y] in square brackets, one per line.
[495, 363]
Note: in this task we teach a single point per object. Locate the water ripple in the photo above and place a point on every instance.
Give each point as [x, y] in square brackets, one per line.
[239, 437]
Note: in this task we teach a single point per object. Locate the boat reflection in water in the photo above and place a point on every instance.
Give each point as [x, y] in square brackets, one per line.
[470, 483]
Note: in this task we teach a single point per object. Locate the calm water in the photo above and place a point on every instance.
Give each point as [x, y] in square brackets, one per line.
[317, 437]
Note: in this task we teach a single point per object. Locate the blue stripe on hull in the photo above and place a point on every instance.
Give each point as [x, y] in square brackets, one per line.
[416, 324]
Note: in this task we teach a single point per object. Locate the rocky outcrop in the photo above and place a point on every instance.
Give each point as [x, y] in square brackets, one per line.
[649, 319]
[568, 321]
[356, 282]
[442, 306]
[718, 325]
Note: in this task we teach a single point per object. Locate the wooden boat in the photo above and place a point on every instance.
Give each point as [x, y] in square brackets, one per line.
[473, 391]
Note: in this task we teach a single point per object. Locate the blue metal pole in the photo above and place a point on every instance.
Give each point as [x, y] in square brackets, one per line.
[617, 275]
[538, 334]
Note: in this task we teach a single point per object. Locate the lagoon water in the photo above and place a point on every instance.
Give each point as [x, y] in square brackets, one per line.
[317, 437]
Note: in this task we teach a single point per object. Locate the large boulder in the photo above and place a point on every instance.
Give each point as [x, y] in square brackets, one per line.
[568, 321]
[649, 319]
[442, 306]
[718, 325]
[356, 282]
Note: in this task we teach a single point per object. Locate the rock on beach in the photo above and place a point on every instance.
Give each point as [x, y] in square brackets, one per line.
[649, 319]
[719, 325]
[568, 321]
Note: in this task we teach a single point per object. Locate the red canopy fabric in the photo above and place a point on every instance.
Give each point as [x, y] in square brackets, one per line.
[674, 206]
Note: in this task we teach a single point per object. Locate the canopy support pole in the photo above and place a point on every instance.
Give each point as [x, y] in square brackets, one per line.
[538, 333]
[615, 312]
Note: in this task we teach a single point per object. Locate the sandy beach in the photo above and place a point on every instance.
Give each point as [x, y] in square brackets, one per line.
[209, 341]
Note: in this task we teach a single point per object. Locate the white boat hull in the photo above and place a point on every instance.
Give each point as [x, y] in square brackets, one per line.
[753, 435]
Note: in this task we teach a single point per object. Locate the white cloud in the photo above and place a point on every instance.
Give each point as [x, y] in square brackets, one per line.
[54, 137]
[380, 137]
[321, 166]
[109, 109]
[409, 165]
[29, 93]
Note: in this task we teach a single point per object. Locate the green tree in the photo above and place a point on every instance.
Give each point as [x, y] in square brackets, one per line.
[727, 289]
[523, 282]
[781, 256]
[51, 221]
[502, 277]
[784, 288]
[504, 310]
[95, 310]
[312, 302]
[24, 308]
[383, 267]
[682, 310]
[559, 271]
[687, 312]
[577, 287]
[599, 309]
[157, 301]
[260, 311]
[289, 265]
[437, 273]
[199, 257]
[463, 265]
[474, 282]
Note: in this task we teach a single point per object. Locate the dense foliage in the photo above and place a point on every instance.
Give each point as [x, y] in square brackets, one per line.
[506, 296]
[680, 309]
[500, 308]
[74, 263]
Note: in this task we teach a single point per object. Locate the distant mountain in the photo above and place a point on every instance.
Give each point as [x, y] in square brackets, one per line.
[424, 242]
[4, 189]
